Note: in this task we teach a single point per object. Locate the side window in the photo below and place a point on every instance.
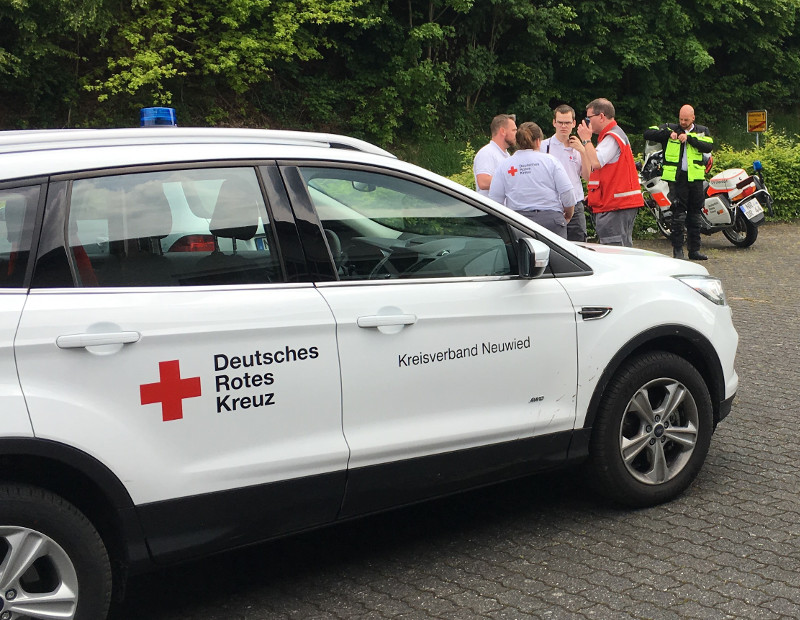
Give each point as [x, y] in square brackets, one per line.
[382, 227]
[17, 216]
[171, 228]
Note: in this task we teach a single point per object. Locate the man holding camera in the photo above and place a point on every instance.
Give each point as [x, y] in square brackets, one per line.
[684, 145]
[614, 194]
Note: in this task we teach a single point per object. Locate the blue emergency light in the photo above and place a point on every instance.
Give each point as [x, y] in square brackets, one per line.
[153, 117]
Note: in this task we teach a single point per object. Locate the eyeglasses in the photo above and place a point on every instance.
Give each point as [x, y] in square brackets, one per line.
[592, 115]
[565, 123]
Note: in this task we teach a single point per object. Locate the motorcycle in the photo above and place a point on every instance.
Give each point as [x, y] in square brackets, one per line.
[735, 201]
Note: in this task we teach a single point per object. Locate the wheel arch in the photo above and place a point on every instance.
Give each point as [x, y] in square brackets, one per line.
[678, 339]
[86, 483]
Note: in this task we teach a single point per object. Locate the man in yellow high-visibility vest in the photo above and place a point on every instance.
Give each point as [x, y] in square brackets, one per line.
[685, 169]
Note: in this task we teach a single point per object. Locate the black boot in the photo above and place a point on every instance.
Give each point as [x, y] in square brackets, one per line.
[677, 252]
[696, 255]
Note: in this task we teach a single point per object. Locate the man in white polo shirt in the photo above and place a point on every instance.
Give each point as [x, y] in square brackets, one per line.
[567, 149]
[504, 136]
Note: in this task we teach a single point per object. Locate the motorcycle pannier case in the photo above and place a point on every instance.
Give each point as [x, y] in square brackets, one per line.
[716, 211]
[726, 180]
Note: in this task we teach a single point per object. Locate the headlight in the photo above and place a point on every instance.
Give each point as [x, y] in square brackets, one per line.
[708, 286]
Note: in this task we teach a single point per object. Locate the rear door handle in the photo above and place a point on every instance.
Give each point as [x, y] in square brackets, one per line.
[78, 341]
[386, 320]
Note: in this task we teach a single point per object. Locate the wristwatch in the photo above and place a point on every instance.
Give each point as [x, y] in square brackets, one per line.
[584, 142]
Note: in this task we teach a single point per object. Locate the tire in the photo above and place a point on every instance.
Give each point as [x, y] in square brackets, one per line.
[663, 228]
[655, 211]
[53, 562]
[652, 431]
[743, 234]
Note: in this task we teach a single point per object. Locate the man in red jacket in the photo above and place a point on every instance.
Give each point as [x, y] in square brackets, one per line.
[614, 195]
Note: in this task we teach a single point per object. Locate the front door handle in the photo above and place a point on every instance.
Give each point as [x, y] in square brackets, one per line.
[386, 320]
[78, 341]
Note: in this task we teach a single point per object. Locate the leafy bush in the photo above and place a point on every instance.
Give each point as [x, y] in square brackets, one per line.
[465, 176]
[645, 226]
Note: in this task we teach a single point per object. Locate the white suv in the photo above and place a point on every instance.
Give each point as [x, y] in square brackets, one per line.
[213, 337]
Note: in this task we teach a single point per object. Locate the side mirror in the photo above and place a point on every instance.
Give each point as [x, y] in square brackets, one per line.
[360, 186]
[533, 258]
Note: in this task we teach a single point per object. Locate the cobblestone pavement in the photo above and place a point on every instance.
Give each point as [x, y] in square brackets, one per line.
[543, 547]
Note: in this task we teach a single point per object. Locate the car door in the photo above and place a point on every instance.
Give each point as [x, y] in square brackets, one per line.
[18, 207]
[443, 348]
[181, 359]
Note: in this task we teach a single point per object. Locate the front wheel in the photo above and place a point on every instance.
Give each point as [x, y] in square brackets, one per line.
[53, 563]
[744, 233]
[664, 226]
[663, 223]
[652, 432]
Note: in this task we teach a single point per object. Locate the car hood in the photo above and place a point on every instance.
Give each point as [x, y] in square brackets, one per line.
[609, 257]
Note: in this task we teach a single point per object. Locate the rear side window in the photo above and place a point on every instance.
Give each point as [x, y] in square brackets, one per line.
[171, 228]
[17, 217]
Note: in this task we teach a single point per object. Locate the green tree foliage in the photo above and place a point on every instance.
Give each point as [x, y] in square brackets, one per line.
[161, 47]
[392, 70]
[43, 48]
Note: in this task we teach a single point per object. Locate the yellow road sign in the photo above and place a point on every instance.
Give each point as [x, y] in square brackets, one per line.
[757, 121]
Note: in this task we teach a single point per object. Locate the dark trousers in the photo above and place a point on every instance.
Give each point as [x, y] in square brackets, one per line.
[686, 207]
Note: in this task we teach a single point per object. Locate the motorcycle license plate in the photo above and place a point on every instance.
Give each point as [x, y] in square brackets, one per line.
[751, 208]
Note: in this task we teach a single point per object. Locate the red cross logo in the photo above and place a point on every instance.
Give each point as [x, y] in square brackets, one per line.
[170, 390]
[512, 171]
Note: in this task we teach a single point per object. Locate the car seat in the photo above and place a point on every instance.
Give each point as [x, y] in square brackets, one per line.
[236, 217]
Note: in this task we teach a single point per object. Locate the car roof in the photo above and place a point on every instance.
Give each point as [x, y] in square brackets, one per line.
[53, 151]
[51, 139]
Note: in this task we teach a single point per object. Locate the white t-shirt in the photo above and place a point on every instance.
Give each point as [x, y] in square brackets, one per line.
[486, 162]
[569, 158]
[531, 180]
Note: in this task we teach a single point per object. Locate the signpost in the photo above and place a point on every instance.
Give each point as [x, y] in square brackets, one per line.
[756, 122]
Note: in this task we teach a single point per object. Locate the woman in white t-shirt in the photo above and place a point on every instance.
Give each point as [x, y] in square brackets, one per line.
[534, 184]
